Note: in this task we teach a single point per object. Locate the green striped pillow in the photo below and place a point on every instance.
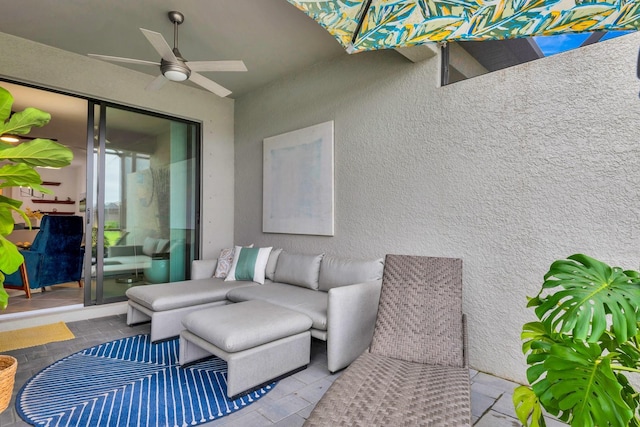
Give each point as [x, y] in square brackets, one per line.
[249, 264]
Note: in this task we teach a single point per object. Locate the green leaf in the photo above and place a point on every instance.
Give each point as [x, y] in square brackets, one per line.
[588, 291]
[15, 175]
[6, 102]
[4, 296]
[10, 257]
[535, 334]
[528, 407]
[583, 384]
[627, 353]
[39, 152]
[6, 220]
[20, 123]
[9, 201]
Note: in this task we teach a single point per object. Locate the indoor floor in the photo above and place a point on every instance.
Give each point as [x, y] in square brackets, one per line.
[56, 298]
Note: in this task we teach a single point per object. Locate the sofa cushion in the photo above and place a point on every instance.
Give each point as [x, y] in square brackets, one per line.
[335, 272]
[312, 303]
[270, 271]
[169, 296]
[298, 269]
[224, 263]
[149, 246]
[162, 246]
[249, 264]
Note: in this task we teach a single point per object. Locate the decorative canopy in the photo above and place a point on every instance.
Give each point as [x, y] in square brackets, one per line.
[381, 24]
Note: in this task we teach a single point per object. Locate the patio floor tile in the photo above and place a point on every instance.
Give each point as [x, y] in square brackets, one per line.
[287, 405]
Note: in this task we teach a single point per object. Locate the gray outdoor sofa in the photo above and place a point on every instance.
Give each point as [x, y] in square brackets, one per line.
[339, 295]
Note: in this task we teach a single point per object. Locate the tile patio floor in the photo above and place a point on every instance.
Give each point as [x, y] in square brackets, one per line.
[288, 404]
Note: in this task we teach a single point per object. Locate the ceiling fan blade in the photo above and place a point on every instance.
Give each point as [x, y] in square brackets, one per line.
[209, 85]
[120, 59]
[160, 45]
[216, 66]
[157, 83]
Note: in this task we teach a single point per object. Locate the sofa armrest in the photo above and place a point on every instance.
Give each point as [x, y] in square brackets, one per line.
[128, 250]
[203, 268]
[351, 317]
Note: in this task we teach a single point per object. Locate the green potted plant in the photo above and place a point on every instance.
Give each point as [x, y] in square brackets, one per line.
[19, 163]
[18, 169]
[583, 346]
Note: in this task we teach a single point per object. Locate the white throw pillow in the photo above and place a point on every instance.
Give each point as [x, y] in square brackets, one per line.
[249, 264]
[149, 246]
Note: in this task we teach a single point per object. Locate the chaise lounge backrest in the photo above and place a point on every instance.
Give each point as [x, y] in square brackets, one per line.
[415, 373]
[429, 329]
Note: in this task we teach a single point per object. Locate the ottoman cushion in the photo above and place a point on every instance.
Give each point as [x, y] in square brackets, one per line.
[244, 325]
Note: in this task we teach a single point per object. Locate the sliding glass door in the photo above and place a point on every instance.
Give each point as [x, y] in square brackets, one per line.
[142, 195]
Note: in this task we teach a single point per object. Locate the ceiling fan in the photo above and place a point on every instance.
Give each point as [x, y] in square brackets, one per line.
[174, 67]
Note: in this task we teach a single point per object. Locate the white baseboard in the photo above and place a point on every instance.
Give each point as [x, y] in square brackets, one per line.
[71, 313]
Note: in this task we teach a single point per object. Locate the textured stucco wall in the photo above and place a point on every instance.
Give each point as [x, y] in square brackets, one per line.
[508, 171]
[28, 62]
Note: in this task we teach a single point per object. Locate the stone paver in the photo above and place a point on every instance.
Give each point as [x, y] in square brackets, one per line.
[287, 405]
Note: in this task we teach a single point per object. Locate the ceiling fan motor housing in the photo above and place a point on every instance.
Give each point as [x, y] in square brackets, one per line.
[175, 71]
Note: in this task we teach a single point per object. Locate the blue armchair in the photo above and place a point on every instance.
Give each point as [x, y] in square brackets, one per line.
[56, 254]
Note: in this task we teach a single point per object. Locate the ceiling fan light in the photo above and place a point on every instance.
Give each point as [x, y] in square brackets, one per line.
[176, 75]
[175, 71]
[9, 138]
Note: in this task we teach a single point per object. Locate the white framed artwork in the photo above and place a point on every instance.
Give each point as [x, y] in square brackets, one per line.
[298, 187]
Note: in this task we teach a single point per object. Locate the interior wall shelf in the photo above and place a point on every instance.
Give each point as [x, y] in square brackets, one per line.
[59, 202]
[58, 213]
[51, 183]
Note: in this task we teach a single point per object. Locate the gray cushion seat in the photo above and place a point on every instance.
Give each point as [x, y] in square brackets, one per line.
[258, 340]
[170, 296]
[312, 304]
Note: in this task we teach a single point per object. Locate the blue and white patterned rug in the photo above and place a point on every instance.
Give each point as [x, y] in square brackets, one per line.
[129, 382]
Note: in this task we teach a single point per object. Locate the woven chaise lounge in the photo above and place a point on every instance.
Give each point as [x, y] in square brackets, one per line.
[416, 371]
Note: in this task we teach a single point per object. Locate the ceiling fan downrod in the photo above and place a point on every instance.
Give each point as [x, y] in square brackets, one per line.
[176, 18]
[175, 71]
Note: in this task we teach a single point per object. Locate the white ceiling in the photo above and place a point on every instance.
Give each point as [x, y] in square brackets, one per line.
[272, 37]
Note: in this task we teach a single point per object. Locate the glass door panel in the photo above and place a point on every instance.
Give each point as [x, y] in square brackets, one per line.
[144, 201]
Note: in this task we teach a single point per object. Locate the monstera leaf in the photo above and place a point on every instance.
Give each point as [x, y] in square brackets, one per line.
[528, 408]
[583, 383]
[590, 290]
[586, 338]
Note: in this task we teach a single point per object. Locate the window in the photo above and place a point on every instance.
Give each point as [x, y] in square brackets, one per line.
[469, 59]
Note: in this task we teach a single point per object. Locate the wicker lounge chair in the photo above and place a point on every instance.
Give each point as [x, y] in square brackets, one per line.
[415, 372]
